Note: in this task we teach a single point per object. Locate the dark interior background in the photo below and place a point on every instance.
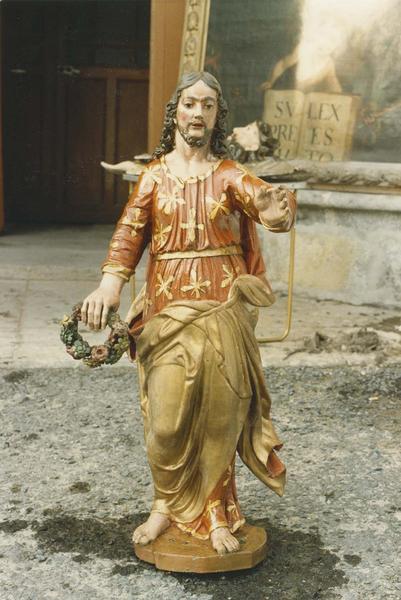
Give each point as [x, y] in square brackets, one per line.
[75, 92]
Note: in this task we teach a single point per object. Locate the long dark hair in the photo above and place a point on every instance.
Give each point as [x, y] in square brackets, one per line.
[217, 140]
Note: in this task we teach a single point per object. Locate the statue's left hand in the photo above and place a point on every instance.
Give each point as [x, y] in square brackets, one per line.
[272, 203]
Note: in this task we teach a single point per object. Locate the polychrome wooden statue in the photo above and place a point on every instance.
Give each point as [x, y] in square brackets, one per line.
[203, 394]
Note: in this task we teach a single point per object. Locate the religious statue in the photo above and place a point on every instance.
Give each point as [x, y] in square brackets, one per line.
[251, 143]
[203, 395]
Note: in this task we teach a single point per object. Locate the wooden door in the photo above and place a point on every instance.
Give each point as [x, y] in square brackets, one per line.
[75, 81]
[102, 116]
[27, 108]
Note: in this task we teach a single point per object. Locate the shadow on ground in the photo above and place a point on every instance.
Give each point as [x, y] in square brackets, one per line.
[298, 567]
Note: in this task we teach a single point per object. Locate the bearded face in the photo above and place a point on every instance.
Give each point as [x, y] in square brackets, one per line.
[196, 114]
[195, 141]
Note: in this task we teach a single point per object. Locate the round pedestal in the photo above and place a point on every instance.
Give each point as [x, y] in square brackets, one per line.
[177, 551]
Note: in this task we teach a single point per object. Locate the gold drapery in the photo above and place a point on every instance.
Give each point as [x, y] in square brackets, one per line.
[203, 396]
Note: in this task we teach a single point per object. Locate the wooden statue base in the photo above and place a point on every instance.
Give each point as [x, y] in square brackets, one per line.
[177, 551]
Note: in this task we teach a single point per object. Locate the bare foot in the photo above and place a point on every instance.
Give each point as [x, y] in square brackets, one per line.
[151, 529]
[223, 541]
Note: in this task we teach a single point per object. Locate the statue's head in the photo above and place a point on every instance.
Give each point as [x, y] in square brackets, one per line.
[197, 127]
[251, 143]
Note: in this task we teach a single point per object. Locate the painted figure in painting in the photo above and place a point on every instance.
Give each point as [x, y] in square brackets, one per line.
[203, 395]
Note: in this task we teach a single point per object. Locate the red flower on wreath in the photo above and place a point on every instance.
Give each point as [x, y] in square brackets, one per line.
[100, 353]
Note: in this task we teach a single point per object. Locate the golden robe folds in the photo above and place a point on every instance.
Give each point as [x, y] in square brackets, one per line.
[203, 394]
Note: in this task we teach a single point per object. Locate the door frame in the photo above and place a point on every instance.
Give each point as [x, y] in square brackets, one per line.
[166, 28]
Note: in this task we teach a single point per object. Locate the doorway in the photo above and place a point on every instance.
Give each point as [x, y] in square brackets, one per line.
[75, 92]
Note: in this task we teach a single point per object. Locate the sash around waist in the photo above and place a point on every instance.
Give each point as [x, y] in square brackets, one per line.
[223, 251]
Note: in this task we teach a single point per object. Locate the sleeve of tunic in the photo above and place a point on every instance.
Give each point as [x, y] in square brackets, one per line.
[133, 230]
[244, 188]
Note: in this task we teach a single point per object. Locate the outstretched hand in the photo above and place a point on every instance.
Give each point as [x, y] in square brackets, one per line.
[272, 203]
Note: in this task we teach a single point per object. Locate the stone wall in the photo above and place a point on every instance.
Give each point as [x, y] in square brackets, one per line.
[348, 248]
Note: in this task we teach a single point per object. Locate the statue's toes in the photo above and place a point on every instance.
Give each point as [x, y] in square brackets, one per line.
[143, 540]
[231, 544]
[140, 536]
[220, 548]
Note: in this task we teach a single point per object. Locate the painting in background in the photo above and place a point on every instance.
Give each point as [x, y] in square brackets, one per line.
[325, 75]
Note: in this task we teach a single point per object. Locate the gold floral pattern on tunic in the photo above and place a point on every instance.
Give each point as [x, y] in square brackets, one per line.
[219, 206]
[229, 276]
[169, 201]
[164, 286]
[161, 232]
[134, 222]
[153, 171]
[196, 285]
[191, 226]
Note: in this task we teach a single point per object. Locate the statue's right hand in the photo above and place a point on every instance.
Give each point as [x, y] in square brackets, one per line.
[96, 307]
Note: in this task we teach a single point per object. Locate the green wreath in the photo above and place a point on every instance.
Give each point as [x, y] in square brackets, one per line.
[107, 353]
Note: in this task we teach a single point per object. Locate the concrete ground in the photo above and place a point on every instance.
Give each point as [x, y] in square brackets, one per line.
[74, 479]
[45, 271]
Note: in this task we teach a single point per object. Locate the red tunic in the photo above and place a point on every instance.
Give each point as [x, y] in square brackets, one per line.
[209, 220]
